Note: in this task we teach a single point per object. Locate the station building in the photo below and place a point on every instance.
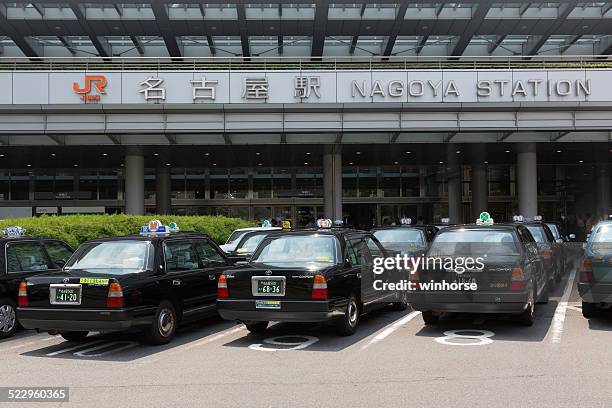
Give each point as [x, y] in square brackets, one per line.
[366, 112]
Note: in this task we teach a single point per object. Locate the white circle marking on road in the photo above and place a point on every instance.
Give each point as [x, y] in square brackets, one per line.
[295, 345]
[483, 339]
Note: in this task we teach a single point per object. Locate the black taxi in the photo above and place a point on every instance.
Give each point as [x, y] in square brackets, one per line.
[482, 268]
[147, 283]
[550, 249]
[20, 257]
[306, 276]
[405, 238]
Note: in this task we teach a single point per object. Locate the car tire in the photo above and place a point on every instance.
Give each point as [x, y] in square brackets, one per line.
[402, 304]
[164, 324]
[8, 318]
[429, 318]
[545, 295]
[589, 310]
[257, 327]
[527, 317]
[74, 335]
[348, 323]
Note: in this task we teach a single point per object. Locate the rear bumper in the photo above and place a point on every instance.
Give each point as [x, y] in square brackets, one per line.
[84, 319]
[290, 311]
[491, 302]
[595, 292]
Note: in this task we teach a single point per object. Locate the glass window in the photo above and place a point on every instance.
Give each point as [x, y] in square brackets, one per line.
[367, 182]
[479, 242]
[350, 183]
[149, 184]
[20, 186]
[297, 251]
[180, 256]
[248, 244]
[178, 184]
[411, 184]
[209, 256]
[113, 257]
[108, 183]
[374, 248]
[219, 184]
[537, 232]
[4, 185]
[281, 183]
[58, 252]
[238, 184]
[603, 233]
[391, 181]
[195, 181]
[88, 185]
[262, 184]
[412, 237]
[309, 182]
[25, 257]
[235, 236]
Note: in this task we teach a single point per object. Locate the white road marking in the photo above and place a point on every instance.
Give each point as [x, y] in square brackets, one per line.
[126, 345]
[559, 317]
[78, 346]
[30, 343]
[483, 338]
[295, 345]
[380, 336]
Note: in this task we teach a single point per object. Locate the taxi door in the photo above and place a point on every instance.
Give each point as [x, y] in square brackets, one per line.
[213, 263]
[186, 276]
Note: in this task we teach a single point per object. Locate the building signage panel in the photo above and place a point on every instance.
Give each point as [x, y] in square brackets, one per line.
[293, 87]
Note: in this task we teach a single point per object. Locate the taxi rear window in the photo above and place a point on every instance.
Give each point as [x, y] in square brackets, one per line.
[603, 233]
[113, 257]
[474, 242]
[310, 251]
[537, 232]
[408, 236]
[235, 236]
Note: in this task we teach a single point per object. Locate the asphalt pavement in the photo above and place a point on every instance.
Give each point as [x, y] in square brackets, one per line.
[392, 361]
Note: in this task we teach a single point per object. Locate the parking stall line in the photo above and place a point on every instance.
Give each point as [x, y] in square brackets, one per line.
[31, 343]
[78, 346]
[380, 336]
[559, 317]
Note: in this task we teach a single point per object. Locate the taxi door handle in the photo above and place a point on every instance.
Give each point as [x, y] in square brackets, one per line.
[176, 282]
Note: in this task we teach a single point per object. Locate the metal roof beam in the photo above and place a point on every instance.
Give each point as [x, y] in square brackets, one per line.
[493, 46]
[604, 47]
[320, 24]
[420, 44]
[571, 41]
[279, 44]
[478, 16]
[29, 48]
[118, 9]
[440, 7]
[137, 44]
[605, 8]
[163, 22]
[211, 44]
[363, 9]
[39, 8]
[353, 44]
[395, 29]
[244, 33]
[67, 44]
[523, 8]
[101, 45]
[536, 42]
[449, 136]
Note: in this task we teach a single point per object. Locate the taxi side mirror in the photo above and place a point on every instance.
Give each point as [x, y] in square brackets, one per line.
[572, 236]
[347, 263]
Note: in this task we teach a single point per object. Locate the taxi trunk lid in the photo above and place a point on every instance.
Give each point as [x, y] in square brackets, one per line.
[65, 290]
[250, 283]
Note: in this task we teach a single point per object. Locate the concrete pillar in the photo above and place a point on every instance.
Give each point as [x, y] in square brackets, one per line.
[602, 177]
[134, 181]
[480, 184]
[163, 190]
[453, 177]
[527, 179]
[332, 182]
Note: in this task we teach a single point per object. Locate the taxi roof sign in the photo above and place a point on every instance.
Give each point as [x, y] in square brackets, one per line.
[14, 231]
[155, 227]
[445, 220]
[406, 221]
[484, 219]
[324, 223]
[266, 224]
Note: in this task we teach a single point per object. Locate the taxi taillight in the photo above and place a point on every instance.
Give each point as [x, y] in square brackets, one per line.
[319, 288]
[115, 295]
[22, 297]
[222, 291]
[518, 279]
[586, 271]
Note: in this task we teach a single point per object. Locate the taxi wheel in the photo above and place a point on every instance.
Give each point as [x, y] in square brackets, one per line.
[348, 323]
[589, 310]
[74, 335]
[164, 324]
[8, 318]
[429, 318]
[256, 327]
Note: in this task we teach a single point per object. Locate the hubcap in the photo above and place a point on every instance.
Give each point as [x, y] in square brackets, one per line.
[166, 322]
[7, 318]
[352, 313]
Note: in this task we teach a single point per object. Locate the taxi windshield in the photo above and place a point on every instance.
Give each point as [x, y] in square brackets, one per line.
[410, 236]
[112, 257]
[249, 245]
[298, 251]
[537, 232]
[474, 242]
[235, 237]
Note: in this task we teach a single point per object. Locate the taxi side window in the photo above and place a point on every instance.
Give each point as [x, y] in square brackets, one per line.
[375, 249]
[351, 253]
[180, 256]
[362, 254]
[58, 252]
[208, 254]
[25, 257]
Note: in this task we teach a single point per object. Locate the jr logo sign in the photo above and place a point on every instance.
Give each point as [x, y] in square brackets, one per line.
[97, 82]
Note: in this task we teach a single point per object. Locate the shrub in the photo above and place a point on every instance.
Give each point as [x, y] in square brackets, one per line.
[76, 229]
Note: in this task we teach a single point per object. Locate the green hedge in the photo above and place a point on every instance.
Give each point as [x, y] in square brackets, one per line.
[76, 229]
